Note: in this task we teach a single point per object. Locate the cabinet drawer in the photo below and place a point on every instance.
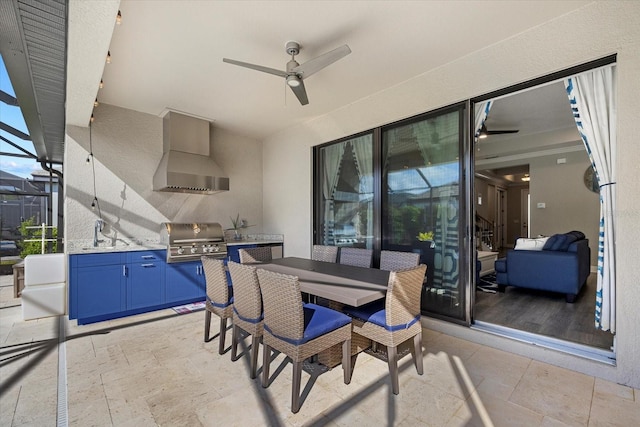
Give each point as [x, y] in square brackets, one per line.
[146, 256]
[90, 260]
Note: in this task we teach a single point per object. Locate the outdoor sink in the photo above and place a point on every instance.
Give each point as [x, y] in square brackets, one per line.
[98, 248]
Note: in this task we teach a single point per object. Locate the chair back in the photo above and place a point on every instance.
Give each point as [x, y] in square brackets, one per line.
[395, 260]
[324, 253]
[255, 255]
[403, 295]
[358, 257]
[247, 300]
[282, 303]
[216, 278]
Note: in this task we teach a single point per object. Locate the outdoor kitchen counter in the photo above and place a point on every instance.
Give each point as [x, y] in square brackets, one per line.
[75, 247]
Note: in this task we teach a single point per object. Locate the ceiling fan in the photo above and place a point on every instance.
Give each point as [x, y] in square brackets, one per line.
[484, 132]
[296, 73]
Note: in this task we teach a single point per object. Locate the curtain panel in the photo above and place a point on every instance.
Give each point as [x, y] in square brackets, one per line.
[592, 97]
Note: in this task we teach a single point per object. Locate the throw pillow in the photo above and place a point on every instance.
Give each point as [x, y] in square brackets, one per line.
[579, 235]
[570, 238]
[551, 241]
[523, 244]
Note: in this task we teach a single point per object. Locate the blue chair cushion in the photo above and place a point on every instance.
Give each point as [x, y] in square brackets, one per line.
[318, 321]
[377, 314]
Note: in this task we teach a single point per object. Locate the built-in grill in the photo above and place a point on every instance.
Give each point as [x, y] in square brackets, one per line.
[188, 242]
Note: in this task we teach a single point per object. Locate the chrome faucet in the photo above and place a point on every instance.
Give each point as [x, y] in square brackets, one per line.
[96, 228]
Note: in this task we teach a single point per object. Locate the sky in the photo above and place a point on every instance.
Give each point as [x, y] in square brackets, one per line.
[13, 117]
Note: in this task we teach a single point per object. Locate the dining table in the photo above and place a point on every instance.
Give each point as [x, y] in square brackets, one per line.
[346, 284]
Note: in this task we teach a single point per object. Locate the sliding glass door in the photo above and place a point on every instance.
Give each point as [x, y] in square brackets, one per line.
[398, 187]
[421, 203]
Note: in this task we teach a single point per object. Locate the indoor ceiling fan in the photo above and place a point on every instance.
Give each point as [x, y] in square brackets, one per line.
[296, 73]
[484, 132]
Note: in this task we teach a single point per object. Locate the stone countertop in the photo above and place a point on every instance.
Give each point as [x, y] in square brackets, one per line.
[254, 239]
[75, 247]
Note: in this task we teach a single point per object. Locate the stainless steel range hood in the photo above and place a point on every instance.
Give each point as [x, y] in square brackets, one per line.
[186, 166]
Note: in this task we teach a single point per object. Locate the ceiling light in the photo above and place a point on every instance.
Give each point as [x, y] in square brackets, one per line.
[483, 132]
[96, 103]
[293, 81]
[101, 84]
[109, 57]
[119, 18]
[526, 177]
[92, 118]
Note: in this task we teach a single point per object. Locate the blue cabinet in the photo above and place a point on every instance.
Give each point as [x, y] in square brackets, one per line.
[109, 285]
[145, 279]
[185, 282]
[97, 285]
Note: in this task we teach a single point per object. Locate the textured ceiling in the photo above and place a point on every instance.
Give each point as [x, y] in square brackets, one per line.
[169, 54]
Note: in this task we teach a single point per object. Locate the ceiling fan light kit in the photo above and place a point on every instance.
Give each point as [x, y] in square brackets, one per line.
[296, 73]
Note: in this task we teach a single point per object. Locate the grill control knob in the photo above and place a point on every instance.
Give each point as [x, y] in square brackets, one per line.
[180, 250]
[194, 249]
[214, 248]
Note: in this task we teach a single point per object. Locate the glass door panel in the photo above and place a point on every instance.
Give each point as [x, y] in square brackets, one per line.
[421, 204]
[344, 193]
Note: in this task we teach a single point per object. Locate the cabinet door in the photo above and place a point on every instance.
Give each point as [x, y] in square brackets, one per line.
[100, 290]
[145, 285]
[185, 281]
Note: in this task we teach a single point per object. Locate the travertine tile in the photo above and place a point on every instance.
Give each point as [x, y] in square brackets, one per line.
[613, 405]
[559, 393]
[487, 410]
[154, 369]
[499, 366]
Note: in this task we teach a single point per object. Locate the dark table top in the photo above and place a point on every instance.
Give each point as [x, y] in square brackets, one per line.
[342, 283]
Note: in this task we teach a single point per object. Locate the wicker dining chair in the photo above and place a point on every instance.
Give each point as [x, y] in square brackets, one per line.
[299, 330]
[247, 310]
[219, 298]
[395, 260]
[358, 257]
[255, 255]
[324, 253]
[394, 320]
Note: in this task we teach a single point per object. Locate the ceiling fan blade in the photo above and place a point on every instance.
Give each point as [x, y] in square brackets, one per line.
[318, 63]
[301, 93]
[256, 67]
[499, 132]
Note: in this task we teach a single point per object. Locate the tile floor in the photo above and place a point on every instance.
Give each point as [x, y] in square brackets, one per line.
[154, 369]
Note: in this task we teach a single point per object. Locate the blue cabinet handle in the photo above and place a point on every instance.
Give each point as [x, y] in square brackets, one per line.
[147, 265]
[147, 257]
[124, 270]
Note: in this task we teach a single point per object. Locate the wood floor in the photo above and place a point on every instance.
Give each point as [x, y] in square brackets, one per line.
[545, 313]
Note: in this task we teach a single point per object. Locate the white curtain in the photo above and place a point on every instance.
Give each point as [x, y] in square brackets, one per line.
[363, 152]
[332, 159]
[481, 110]
[593, 101]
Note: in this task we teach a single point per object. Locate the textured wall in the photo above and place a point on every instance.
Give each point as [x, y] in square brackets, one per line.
[596, 30]
[127, 146]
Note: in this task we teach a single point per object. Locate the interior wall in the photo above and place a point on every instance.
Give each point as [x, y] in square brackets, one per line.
[568, 204]
[514, 214]
[127, 147]
[594, 31]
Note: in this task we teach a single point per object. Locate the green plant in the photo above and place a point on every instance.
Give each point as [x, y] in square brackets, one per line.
[424, 236]
[33, 248]
[236, 223]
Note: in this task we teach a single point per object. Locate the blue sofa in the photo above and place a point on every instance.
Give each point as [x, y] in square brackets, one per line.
[558, 267]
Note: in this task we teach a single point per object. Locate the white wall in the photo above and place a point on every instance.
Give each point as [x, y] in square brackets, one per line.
[127, 146]
[597, 30]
